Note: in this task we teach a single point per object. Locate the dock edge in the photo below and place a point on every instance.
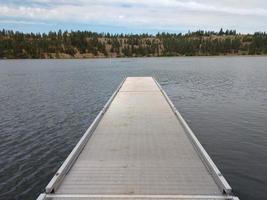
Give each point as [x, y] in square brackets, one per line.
[212, 168]
[67, 164]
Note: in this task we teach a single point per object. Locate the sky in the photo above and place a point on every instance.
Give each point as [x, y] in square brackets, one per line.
[133, 16]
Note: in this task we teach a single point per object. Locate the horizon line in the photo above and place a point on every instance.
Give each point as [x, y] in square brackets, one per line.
[112, 33]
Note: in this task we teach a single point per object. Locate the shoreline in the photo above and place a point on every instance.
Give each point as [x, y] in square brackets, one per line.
[124, 57]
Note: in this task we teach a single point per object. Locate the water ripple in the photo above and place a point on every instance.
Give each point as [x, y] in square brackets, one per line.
[46, 105]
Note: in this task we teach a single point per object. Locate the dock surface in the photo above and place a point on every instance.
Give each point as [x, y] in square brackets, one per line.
[139, 147]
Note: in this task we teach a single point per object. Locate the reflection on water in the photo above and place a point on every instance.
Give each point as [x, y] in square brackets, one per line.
[46, 105]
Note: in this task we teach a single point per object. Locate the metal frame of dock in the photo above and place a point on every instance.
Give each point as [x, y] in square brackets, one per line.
[138, 147]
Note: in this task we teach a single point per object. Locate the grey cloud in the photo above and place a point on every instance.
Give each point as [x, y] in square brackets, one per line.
[245, 15]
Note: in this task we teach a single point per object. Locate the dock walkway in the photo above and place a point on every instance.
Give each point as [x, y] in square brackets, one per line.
[138, 147]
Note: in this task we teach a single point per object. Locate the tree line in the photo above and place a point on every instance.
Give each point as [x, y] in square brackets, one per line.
[86, 44]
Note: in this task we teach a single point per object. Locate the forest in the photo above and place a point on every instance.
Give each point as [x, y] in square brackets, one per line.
[87, 44]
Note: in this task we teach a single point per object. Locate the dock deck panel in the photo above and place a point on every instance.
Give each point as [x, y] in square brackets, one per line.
[139, 147]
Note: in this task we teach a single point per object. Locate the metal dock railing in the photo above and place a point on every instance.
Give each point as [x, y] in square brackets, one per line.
[138, 147]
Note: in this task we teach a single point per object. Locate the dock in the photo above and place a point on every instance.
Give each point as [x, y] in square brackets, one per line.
[138, 147]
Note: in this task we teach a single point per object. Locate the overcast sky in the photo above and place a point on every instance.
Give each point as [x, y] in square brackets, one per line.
[133, 15]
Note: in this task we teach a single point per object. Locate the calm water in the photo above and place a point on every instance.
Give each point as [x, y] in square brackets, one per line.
[46, 105]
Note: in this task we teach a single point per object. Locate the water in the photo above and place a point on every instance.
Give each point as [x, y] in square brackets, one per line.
[46, 105]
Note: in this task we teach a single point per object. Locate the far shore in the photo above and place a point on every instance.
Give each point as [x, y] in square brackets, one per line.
[124, 57]
[88, 45]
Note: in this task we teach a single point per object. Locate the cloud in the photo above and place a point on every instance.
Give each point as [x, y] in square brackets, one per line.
[22, 22]
[245, 15]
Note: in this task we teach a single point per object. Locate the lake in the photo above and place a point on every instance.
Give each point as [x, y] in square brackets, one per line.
[46, 106]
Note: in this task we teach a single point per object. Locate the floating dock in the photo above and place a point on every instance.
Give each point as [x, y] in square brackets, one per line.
[138, 147]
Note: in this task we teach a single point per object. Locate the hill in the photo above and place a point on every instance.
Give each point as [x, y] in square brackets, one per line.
[86, 44]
